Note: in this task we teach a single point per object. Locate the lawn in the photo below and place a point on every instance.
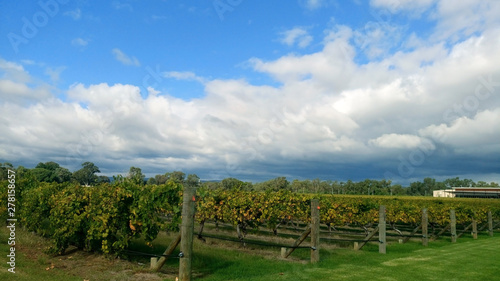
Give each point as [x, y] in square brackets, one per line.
[467, 259]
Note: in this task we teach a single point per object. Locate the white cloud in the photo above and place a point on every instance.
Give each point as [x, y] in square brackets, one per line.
[184, 75]
[297, 35]
[398, 141]
[455, 20]
[459, 19]
[123, 58]
[376, 39]
[478, 134]
[326, 108]
[416, 6]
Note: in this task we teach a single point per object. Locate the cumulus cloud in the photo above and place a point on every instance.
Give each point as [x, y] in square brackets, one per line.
[125, 59]
[297, 35]
[478, 134]
[327, 112]
[403, 141]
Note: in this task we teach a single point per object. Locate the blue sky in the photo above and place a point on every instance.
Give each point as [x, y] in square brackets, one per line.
[392, 89]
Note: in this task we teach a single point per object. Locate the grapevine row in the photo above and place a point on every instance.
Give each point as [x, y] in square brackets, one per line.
[107, 216]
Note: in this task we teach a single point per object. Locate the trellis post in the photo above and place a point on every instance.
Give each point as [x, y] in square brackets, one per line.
[453, 226]
[187, 229]
[315, 230]
[474, 228]
[425, 227]
[490, 223]
[382, 231]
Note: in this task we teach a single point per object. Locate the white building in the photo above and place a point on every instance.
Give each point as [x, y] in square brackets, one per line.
[468, 192]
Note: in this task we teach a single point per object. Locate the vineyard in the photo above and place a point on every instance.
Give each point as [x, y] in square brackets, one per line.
[106, 217]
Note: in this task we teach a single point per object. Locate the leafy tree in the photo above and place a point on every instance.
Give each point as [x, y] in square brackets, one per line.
[397, 189]
[43, 175]
[158, 179]
[52, 166]
[62, 175]
[51, 172]
[457, 182]
[275, 184]
[86, 175]
[103, 179]
[231, 183]
[135, 174]
[193, 180]
[485, 184]
[176, 176]
[4, 170]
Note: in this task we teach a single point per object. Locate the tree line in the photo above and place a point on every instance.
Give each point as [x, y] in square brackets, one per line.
[87, 176]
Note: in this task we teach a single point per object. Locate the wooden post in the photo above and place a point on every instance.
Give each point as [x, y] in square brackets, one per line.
[382, 245]
[154, 260]
[407, 238]
[474, 228]
[160, 262]
[436, 236]
[297, 242]
[367, 238]
[490, 223]
[453, 226]
[465, 230]
[283, 252]
[187, 229]
[425, 227]
[315, 230]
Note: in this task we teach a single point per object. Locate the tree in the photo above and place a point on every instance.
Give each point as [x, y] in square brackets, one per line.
[275, 184]
[135, 175]
[397, 189]
[457, 182]
[103, 179]
[158, 179]
[4, 170]
[43, 175]
[52, 166]
[51, 172]
[62, 175]
[86, 175]
[485, 184]
[176, 176]
[193, 180]
[231, 183]
[416, 188]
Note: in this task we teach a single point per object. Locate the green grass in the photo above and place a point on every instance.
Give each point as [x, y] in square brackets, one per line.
[467, 259]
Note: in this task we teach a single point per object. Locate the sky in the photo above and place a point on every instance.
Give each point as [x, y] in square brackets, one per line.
[381, 89]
